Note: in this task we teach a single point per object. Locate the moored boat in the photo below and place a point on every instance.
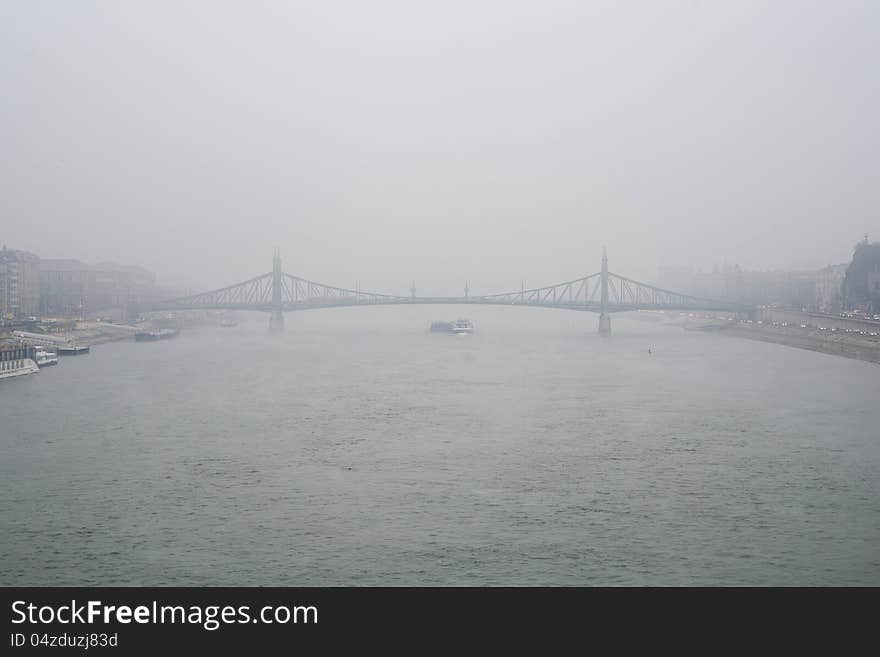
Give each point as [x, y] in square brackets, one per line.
[16, 361]
[43, 357]
[161, 334]
[73, 350]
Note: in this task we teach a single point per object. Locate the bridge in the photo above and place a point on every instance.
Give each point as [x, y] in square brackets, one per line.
[603, 292]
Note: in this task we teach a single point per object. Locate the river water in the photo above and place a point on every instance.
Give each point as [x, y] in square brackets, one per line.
[357, 448]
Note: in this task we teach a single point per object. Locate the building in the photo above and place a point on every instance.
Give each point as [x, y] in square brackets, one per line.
[74, 289]
[829, 288]
[19, 284]
[63, 287]
[819, 290]
[874, 287]
[861, 285]
[799, 290]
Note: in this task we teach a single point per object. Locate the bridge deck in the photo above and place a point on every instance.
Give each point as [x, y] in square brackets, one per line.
[602, 292]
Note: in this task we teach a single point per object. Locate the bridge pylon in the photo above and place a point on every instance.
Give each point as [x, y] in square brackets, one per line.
[602, 292]
[604, 317]
[276, 319]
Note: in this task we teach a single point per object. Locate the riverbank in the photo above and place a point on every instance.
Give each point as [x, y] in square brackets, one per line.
[835, 343]
[859, 347]
[99, 332]
[824, 340]
[90, 333]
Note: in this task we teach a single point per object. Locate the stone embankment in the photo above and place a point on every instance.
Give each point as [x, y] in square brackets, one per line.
[838, 343]
[859, 340]
[862, 344]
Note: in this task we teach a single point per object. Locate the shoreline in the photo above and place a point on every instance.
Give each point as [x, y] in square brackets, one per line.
[88, 335]
[857, 349]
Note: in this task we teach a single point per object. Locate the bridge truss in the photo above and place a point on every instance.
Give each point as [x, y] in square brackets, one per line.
[603, 292]
[258, 294]
[623, 294]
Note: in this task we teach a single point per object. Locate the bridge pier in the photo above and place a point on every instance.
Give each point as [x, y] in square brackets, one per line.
[276, 321]
[604, 317]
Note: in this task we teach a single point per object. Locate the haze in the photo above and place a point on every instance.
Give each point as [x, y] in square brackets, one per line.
[489, 142]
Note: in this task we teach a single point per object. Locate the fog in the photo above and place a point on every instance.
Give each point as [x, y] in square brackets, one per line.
[489, 142]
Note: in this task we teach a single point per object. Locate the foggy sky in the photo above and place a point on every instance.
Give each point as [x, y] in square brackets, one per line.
[489, 142]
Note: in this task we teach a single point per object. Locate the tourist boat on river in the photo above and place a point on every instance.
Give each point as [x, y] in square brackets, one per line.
[462, 327]
[458, 327]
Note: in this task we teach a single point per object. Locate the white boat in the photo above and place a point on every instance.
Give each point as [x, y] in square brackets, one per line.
[43, 357]
[15, 362]
[73, 350]
[462, 327]
[458, 327]
[161, 334]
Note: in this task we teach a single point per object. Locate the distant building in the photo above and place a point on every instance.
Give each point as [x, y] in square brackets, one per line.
[19, 284]
[805, 290]
[63, 285]
[799, 290]
[874, 286]
[73, 288]
[861, 288]
[829, 288]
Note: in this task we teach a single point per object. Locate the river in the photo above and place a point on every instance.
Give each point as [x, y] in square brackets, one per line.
[357, 448]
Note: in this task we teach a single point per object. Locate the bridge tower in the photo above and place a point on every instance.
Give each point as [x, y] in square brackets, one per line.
[604, 317]
[276, 319]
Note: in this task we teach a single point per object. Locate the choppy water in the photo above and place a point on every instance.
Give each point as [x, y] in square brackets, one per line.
[357, 448]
